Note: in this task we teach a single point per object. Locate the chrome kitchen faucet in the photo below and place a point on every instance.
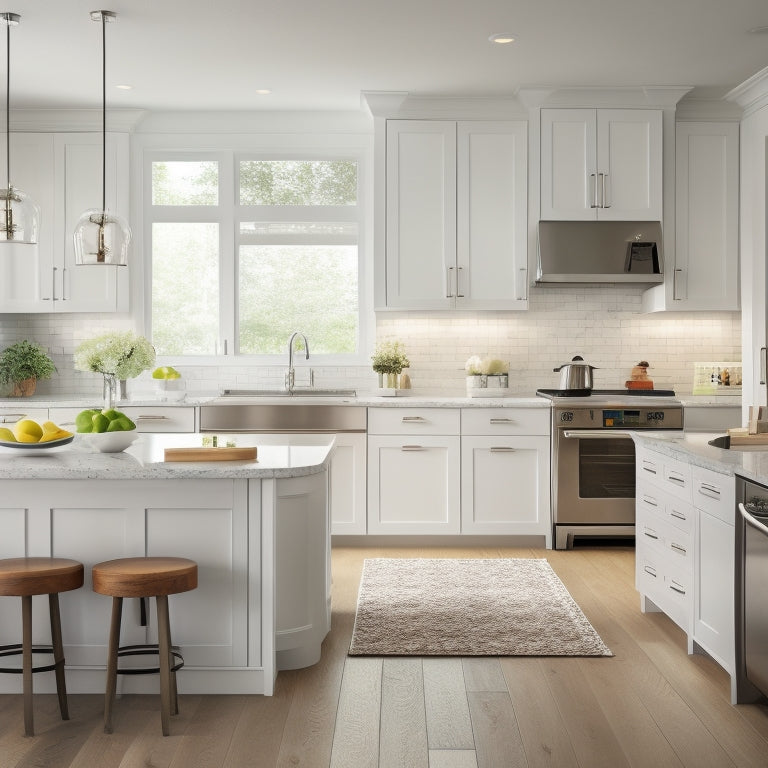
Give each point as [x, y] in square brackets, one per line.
[290, 376]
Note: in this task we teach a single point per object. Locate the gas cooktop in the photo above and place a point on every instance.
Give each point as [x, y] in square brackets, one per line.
[552, 393]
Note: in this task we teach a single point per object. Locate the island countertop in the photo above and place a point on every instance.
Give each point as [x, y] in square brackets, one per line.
[279, 456]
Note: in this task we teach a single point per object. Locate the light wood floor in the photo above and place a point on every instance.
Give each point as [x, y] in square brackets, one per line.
[649, 705]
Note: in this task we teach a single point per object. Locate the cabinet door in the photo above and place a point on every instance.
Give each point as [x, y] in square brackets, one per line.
[348, 484]
[421, 214]
[78, 173]
[706, 268]
[629, 164]
[492, 215]
[505, 485]
[413, 484]
[713, 627]
[26, 271]
[568, 164]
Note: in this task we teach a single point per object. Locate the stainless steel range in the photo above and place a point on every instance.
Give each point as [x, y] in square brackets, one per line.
[593, 457]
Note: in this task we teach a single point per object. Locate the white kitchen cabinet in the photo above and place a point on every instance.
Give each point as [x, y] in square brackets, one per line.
[601, 164]
[347, 481]
[63, 171]
[148, 418]
[11, 414]
[685, 550]
[505, 472]
[714, 496]
[456, 214]
[95, 520]
[414, 464]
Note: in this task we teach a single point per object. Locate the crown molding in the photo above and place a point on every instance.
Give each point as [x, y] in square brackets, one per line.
[404, 105]
[752, 94]
[659, 96]
[696, 110]
[71, 120]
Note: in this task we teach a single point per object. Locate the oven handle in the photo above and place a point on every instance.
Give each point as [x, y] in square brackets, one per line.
[752, 521]
[602, 434]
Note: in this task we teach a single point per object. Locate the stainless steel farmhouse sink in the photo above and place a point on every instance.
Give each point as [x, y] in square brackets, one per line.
[298, 417]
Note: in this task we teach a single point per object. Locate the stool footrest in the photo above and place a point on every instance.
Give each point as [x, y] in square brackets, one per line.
[16, 650]
[147, 650]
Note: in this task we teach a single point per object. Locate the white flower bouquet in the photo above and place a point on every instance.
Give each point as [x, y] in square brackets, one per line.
[123, 355]
[486, 377]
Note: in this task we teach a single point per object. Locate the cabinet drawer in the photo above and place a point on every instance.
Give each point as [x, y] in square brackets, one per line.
[677, 478]
[715, 493]
[650, 467]
[161, 419]
[504, 421]
[413, 421]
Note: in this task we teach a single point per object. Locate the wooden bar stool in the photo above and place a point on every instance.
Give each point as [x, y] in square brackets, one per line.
[24, 577]
[144, 577]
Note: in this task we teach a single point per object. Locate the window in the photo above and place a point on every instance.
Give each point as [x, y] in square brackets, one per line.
[245, 250]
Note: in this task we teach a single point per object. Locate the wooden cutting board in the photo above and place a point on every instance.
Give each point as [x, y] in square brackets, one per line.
[740, 436]
[211, 454]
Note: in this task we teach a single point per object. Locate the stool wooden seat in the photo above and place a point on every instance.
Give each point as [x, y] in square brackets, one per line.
[24, 577]
[144, 577]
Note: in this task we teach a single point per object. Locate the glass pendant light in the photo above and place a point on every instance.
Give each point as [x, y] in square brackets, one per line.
[20, 217]
[102, 237]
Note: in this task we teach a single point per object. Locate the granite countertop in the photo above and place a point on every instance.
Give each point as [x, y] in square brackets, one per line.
[278, 456]
[693, 448]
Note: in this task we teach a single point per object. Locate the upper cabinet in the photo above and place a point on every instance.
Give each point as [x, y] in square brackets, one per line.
[601, 164]
[456, 214]
[703, 268]
[63, 173]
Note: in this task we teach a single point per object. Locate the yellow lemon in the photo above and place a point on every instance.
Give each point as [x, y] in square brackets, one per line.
[49, 426]
[7, 435]
[59, 434]
[27, 431]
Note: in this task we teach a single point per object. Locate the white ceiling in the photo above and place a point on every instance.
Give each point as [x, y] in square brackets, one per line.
[320, 54]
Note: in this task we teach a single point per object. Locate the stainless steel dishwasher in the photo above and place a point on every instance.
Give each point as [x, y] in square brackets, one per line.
[278, 418]
[751, 603]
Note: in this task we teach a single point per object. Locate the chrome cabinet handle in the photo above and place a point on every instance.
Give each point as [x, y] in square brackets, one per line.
[413, 418]
[55, 269]
[459, 270]
[676, 478]
[763, 363]
[675, 587]
[651, 534]
[650, 501]
[411, 447]
[502, 449]
[678, 548]
[675, 297]
[449, 282]
[678, 515]
[593, 179]
[64, 284]
[604, 201]
[649, 467]
[650, 571]
[501, 421]
[522, 295]
[705, 489]
[152, 417]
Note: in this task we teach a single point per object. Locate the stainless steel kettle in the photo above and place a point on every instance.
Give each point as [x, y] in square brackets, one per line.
[575, 375]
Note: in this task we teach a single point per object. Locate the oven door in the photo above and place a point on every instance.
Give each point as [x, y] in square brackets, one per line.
[593, 477]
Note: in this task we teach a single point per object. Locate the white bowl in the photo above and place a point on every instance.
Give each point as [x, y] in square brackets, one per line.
[111, 442]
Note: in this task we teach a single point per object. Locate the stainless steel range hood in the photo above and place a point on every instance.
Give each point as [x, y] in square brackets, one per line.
[600, 252]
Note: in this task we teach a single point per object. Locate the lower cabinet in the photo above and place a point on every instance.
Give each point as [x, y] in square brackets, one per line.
[347, 484]
[505, 485]
[685, 550]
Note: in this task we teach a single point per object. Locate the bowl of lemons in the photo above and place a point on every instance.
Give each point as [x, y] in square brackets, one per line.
[109, 431]
[27, 434]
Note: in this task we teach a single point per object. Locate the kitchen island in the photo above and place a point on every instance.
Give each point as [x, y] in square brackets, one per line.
[259, 532]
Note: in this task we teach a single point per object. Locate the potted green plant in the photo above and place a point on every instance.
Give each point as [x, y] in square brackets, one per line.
[389, 359]
[22, 364]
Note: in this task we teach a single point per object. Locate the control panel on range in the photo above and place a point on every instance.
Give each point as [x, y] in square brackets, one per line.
[619, 418]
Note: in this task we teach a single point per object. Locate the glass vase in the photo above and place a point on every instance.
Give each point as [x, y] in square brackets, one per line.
[391, 380]
[110, 390]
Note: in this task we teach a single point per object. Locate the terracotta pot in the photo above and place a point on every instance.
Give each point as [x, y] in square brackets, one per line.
[24, 388]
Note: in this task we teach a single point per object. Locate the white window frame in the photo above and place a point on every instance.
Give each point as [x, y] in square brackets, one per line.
[228, 213]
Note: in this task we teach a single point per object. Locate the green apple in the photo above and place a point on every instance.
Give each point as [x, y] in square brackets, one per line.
[84, 420]
[100, 422]
[165, 372]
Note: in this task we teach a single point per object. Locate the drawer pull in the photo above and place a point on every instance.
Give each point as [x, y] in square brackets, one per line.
[649, 467]
[413, 418]
[651, 534]
[676, 478]
[650, 571]
[502, 421]
[675, 587]
[650, 501]
[152, 417]
[411, 447]
[709, 490]
[12, 418]
[502, 449]
[679, 548]
[678, 515]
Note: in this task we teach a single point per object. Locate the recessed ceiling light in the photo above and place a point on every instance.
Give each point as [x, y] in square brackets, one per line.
[124, 87]
[758, 30]
[262, 91]
[502, 38]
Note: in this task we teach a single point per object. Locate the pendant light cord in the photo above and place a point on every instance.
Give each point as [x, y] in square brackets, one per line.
[103, 116]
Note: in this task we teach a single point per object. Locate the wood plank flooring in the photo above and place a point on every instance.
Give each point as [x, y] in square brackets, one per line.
[649, 705]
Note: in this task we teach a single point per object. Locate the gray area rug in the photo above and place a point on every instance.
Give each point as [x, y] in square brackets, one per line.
[468, 607]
